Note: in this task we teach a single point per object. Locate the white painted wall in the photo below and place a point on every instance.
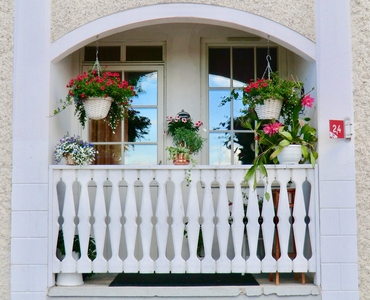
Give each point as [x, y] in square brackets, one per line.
[336, 171]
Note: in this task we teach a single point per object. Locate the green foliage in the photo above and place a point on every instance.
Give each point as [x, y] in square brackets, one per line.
[91, 251]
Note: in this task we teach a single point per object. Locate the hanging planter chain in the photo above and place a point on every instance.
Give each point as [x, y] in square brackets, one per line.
[268, 59]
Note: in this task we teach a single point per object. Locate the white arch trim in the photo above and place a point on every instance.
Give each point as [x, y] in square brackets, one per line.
[187, 13]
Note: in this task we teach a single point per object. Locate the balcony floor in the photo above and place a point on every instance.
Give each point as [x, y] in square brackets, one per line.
[98, 286]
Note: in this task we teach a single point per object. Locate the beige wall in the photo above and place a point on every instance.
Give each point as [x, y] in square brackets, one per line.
[6, 95]
[360, 11]
[67, 15]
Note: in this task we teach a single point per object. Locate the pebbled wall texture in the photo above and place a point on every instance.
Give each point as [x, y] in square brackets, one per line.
[67, 15]
[6, 96]
[360, 16]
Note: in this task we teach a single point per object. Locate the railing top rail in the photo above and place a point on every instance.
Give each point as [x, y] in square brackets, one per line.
[174, 167]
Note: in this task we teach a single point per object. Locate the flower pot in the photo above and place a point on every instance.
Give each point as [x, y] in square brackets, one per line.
[97, 108]
[69, 160]
[269, 110]
[69, 279]
[290, 155]
[181, 159]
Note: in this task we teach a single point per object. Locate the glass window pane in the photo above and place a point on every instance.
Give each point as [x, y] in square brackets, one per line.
[218, 114]
[106, 53]
[141, 155]
[99, 131]
[144, 53]
[142, 125]
[219, 154]
[244, 148]
[108, 155]
[243, 66]
[148, 87]
[219, 67]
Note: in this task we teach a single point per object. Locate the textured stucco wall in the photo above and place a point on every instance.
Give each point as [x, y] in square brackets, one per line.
[6, 95]
[360, 11]
[67, 15]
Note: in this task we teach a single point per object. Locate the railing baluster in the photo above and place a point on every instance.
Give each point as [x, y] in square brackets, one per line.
[177, 227]
[68, 227]
[146, 227]
[268, 227]
[284, 263]
[193, 214]
[223, 264]
[130, 264]
[238, 264]
[299, 226]
[312, 262]
[253, 262]
[115, 227]
[100, 262]
[84, 227]
[162, 264]
[208, 227]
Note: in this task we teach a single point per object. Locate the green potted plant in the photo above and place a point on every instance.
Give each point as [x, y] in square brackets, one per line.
[186, 139]
[271, 98]
[74, 150]
[274, 137]
[114, 96]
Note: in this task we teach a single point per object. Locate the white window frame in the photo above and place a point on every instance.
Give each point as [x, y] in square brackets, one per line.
[224, 42]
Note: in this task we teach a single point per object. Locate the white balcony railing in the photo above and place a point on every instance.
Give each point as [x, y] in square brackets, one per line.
[146, 219]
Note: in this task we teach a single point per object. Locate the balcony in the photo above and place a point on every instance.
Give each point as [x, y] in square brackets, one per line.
[150, 219]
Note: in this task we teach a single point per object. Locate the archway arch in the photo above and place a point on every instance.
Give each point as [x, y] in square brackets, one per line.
[185, 13]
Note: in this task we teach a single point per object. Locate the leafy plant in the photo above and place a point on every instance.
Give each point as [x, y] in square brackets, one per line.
[273, 136]
[91, 84]
[185, 135]
[82, 152]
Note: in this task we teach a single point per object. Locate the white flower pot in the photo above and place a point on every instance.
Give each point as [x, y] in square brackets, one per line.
[69, 279]
[290, 155]
[97, 108]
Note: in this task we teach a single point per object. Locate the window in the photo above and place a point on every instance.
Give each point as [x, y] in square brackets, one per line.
[231, 67]
[136, 140]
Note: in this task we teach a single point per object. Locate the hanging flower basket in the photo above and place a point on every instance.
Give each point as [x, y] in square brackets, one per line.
[270, 109]
[97, 108]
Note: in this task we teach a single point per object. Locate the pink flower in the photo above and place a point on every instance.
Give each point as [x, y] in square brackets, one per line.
[183, 120]
[307, 101]
[271, 129]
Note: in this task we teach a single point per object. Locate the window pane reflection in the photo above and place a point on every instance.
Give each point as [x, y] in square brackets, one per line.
[148, 84]
[141, 125]
[108, 155]
[140, 155]
[219, 154]
[218, 114]
[219, 67]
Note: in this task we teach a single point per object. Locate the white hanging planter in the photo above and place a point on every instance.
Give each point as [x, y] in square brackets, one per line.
[290, 155]
[270, 109]
[97, 108]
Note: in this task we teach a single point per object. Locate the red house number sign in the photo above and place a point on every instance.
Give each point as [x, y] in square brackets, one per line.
[336, 128]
